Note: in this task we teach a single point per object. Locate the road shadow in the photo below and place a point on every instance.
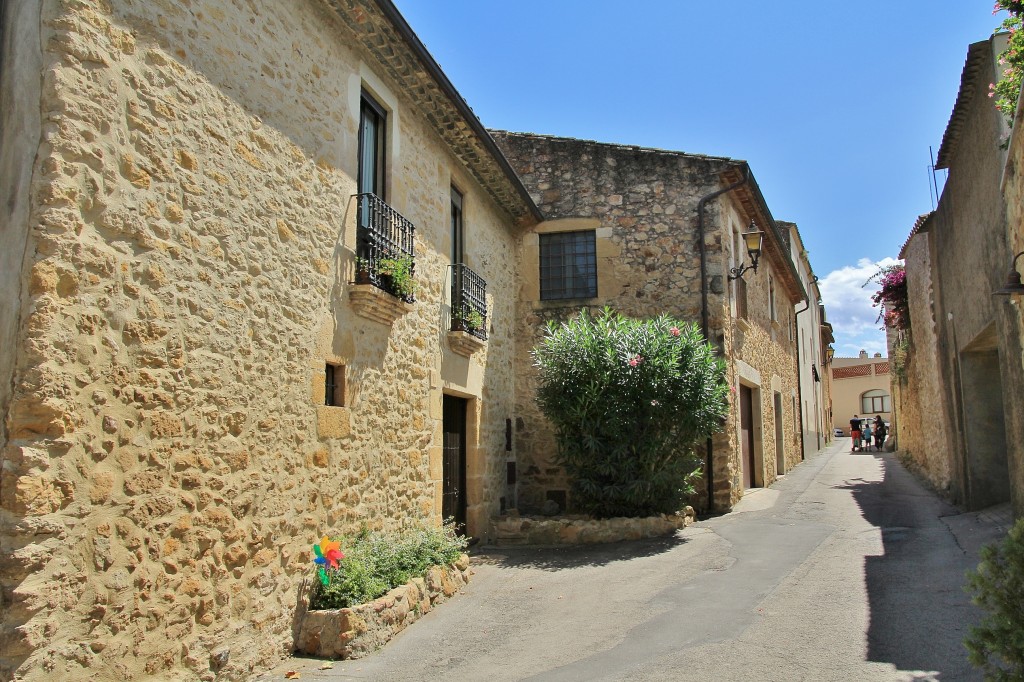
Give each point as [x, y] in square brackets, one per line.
[557, 558]
[919, 613]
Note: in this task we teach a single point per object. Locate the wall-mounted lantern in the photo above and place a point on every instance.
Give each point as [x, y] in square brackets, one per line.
[1013, 287]
[752, 238]
[830, 353]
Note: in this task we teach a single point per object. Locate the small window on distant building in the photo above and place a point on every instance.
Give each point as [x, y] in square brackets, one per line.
[875, 400]
[334, 385]
[771, 299]
[568, 265]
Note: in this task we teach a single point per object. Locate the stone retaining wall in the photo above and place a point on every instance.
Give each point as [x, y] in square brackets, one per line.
[360, 630]
[584, 530]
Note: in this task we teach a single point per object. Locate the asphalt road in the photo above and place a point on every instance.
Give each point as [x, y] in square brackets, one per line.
[845, 569]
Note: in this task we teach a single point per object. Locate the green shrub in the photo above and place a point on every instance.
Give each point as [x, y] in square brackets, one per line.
[629, 400]
[997, 645]
[376, 562]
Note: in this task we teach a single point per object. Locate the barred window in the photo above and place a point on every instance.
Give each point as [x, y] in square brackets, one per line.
[568, 265]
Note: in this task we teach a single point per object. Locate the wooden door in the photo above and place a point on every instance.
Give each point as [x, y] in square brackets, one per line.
[747, 436]
[453, 500]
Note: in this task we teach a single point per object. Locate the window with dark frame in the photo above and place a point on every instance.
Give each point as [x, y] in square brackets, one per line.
[874, 401]
[372, 128]
[568, 265]
[334, 385]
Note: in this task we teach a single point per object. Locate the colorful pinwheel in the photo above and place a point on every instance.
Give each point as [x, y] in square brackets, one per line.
[328, 553]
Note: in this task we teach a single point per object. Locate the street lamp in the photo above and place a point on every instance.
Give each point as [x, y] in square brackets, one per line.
[1013, 287]
[752, 238]
[830, 353]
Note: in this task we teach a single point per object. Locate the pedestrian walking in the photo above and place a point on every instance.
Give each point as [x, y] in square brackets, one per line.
[880, 432]
[855, 433]
[866, 434]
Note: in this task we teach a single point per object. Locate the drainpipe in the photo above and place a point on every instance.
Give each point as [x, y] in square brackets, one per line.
[799, 379]
[704, 306]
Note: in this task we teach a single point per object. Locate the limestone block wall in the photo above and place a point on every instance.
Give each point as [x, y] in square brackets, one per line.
[190, 236]
[923, 439]
[977, 340]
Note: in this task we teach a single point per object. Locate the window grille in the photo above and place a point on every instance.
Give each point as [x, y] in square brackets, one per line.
[568, 265]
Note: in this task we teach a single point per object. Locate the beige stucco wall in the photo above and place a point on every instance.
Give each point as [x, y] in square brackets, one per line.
[847, 392]
[191, 243]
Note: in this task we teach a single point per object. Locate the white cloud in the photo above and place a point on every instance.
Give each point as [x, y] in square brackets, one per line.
[849, 308]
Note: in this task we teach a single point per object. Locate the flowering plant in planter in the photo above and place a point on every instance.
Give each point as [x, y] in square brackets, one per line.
[376, 561]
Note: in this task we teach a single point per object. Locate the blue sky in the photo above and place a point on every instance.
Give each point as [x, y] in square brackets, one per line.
[834, 105]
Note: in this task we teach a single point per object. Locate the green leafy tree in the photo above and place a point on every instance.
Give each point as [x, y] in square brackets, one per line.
[629, 400]
[997, 645]
[1011, 61]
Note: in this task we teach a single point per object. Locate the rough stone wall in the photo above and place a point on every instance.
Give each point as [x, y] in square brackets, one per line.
[924, 442]
[190, 246]
[642, 204]
[1013, 192]
[970, 258]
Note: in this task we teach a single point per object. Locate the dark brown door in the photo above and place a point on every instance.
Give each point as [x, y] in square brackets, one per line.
[747, 436]
[453, 501]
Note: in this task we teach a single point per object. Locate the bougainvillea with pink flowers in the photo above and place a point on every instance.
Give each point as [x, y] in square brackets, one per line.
[892, 297]
[1011, 60]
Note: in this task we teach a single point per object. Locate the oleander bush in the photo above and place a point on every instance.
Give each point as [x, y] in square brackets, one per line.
[375, 562]
[629, 401]
[996, 646]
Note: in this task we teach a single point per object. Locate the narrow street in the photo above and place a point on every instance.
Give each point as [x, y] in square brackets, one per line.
[846, 569]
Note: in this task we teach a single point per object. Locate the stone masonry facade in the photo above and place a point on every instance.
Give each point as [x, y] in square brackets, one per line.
[177, 282]
[641, 204]
[169, 457]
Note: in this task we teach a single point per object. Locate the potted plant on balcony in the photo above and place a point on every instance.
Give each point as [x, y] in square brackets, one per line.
[467, 319]
[396, 275]
[362, 271]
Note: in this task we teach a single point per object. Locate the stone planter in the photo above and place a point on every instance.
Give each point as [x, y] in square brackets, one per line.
[518, 530]
[359, 630]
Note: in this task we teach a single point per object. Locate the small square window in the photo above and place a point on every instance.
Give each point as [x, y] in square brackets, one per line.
[334, 385]
[568, 265]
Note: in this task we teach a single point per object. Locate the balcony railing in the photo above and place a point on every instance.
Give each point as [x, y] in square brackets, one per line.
[469, 301]
[383, 234]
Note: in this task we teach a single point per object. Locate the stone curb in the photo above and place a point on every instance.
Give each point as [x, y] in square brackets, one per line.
[584, 530]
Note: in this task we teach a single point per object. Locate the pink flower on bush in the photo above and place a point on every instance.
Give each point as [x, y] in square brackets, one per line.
[635, 360]
[674, 331]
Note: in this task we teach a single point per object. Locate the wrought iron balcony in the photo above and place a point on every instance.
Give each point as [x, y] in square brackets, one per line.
[469, 301]
[385, 242]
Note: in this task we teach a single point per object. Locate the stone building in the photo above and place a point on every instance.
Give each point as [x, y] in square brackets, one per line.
[814, 337]
[955, 258]
[623, 228]
[193, 386]
[924, 440]
[860, 386]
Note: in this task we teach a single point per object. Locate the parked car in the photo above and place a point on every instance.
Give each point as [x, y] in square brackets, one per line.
[838, 432]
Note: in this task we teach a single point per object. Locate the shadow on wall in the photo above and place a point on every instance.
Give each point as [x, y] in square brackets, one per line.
[918, 611]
